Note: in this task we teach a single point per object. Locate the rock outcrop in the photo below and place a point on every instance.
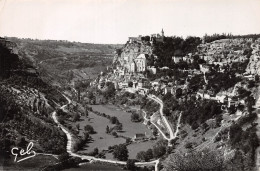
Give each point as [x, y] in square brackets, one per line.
[254, 61]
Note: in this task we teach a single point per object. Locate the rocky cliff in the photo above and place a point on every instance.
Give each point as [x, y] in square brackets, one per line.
[130, 51]
[254, 61]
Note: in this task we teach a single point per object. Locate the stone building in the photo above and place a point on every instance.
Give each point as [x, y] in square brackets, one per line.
[141, 62]
[157, 37]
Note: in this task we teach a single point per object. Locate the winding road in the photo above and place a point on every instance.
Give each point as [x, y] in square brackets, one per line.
[91, 158]
[172, 135]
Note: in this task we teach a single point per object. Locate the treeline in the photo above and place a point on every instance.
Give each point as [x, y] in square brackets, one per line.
[197, 112]
[211, 38]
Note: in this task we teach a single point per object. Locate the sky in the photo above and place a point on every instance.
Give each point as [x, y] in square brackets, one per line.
[113, 21]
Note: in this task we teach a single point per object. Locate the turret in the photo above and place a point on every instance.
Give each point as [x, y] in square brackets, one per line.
[162, 33]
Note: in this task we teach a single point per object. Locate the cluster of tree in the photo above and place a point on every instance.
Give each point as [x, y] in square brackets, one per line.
[211, 38]
[196, 112]
[158, 150]
[145, 155]
[244, 143]
[193, 161]
[89, 129]
[128, 99]
[173, 46]
[120, 152]
[221, 81]
[135, 117]
[80, 142]
[149, 106]
[110, 91]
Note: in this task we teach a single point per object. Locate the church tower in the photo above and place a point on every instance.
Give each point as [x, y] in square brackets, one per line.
[162, 33]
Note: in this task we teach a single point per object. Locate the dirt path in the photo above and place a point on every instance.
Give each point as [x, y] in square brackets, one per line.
[172, 135]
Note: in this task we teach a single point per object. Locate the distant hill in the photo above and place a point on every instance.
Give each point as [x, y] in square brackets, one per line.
[61, 62]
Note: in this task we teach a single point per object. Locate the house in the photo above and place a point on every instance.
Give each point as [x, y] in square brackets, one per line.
[143, 84]
[135, 39]
[151, 69]
[222, 98]
[139, 136]
[204, 68]
[177, 59]
[122, 85]
[167, 90]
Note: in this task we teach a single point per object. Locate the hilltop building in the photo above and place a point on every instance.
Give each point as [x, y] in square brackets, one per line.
[157, 37]
[153, 38]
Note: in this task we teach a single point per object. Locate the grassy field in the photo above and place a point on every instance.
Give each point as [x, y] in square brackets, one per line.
[129, 128]
[133, 149]
[101, 140]
[33, 164]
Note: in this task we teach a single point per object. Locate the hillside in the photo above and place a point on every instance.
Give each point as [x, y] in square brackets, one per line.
[207, 89]
[26, 103]
[63, 62]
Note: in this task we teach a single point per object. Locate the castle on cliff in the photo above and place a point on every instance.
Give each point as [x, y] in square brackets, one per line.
[153, 38]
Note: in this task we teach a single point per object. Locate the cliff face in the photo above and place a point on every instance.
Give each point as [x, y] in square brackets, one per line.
[225, 50]
[254, 61]
[130, 52]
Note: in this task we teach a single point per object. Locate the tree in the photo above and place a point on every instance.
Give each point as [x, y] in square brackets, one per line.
[149, 154]
[130, 84]
[114, 120]
[155, 131]
[110, 92]
[86, 111]
[63, 157]
[120, 152]
[130, 164]
[114, 134]
[107, 129]
[141, 156]
[135, 117]
[76, 117]
[119, 127]
[89, 129]
[95, 151]
[159, 149]
[90, 95]
[86, 137]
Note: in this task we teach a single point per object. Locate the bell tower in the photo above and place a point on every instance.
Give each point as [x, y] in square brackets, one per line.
[162, 33]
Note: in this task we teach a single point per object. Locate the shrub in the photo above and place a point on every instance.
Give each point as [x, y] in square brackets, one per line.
[120, 152]
[89, 129]
[188, 145]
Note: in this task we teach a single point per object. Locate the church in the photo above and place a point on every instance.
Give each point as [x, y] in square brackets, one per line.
[139, 64]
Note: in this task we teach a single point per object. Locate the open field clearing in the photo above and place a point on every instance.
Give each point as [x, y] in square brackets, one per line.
[129, 128]
[101, 140]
